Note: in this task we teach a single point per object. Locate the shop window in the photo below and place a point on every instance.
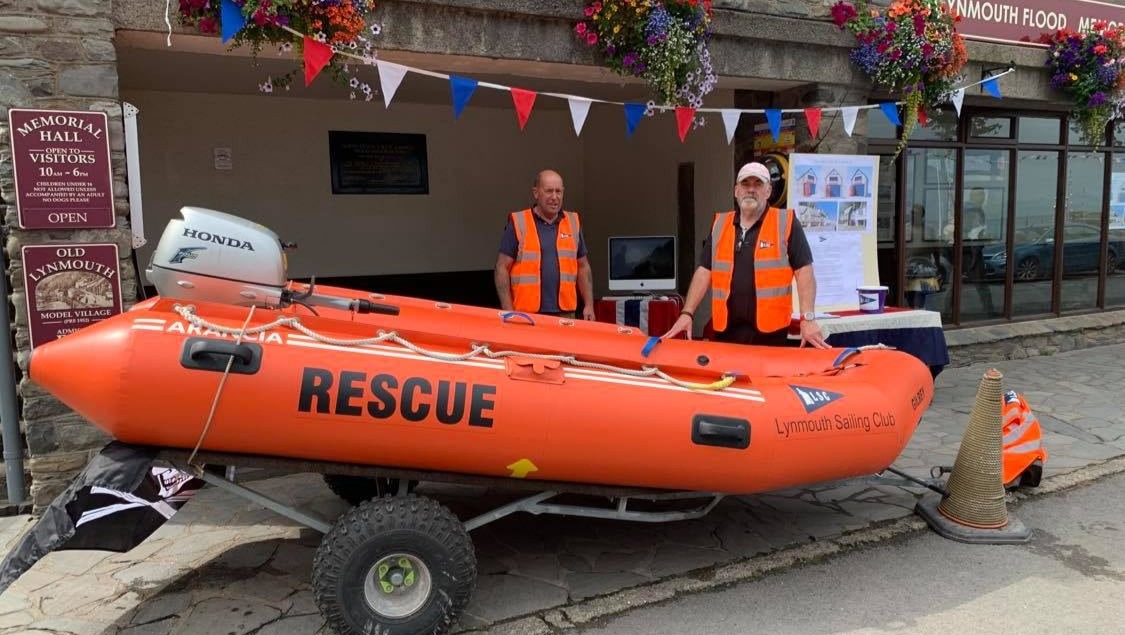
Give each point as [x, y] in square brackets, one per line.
[878, 126]
[928, 229]
[990, 127]
[983, 230]
[941, 127]
[1040, 130]
[1081, 259]
[1033, 242]
[1074, 134]
[1115, 266]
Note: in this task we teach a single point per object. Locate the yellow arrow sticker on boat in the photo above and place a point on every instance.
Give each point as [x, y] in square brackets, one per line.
[522, 468]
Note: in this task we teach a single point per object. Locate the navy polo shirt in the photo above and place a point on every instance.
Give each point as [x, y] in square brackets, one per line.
[549, 263]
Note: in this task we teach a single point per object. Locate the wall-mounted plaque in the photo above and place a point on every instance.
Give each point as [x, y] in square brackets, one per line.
[378, 163]
[62, 170]
[69, 287]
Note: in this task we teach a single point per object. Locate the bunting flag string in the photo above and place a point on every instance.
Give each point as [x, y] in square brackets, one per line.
[463, 88]
[231, 19]
[579, 108]
[890, 109]
[523, 101]
[730, 121]
[812, 116]
[317, 55]
[633, 114]
[390, 76]
[685, 116]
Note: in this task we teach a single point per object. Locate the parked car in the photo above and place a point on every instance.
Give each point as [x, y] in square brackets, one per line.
[1034, 252]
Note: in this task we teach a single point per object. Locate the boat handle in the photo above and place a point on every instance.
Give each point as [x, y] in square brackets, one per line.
[722, 432]
[202, 353]
[505, 316]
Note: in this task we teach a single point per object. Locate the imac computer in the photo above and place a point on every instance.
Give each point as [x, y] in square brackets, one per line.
[642, 264]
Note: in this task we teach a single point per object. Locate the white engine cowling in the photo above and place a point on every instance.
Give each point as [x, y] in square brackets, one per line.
[215, 257]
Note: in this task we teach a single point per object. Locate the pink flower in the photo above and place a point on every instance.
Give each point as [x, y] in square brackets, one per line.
[842, 12]
[591, 38]
[580, 28]
[589, 11]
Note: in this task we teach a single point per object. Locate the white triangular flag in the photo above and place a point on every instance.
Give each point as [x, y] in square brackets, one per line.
[579, 108]
[390, 76]
[849, 113]
[957, 98]
[730, 121]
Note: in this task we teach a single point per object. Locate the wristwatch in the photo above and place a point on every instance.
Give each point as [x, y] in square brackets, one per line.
[808, 316]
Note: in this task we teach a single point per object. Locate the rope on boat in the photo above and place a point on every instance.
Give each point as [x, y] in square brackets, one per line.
[219, 390]
[188, 314]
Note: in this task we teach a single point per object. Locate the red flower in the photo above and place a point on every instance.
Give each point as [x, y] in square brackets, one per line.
[842, 12]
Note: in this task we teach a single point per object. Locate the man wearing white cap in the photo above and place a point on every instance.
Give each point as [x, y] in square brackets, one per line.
[749, 263]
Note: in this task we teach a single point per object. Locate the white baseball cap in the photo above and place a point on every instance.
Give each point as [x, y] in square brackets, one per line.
[756, 170]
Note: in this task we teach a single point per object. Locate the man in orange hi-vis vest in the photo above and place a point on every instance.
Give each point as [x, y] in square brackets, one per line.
[749, 263]
[542, 265]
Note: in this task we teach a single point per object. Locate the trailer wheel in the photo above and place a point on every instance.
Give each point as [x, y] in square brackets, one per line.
[356, 489]
[396, 566]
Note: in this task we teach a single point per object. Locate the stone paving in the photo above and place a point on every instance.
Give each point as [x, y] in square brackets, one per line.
[223, 565]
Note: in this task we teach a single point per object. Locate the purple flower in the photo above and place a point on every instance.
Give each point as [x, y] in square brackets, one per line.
[1097, 99]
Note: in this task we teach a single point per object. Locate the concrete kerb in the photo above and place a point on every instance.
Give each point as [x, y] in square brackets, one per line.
[573, 616]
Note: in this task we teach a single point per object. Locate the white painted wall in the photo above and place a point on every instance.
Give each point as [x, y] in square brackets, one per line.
[480, 168]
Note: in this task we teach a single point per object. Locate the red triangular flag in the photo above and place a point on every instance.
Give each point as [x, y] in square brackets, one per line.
[523, 100]
[317, 54]
[923, 118]
[812, 115]
[684, 118]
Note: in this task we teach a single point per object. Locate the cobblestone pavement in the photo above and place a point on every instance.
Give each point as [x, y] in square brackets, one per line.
[223, 565]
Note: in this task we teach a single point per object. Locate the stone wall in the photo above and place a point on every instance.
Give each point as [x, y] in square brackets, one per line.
[1021, 340]
[57, 55]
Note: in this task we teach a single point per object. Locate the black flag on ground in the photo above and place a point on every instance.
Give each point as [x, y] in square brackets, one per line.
[113, 505]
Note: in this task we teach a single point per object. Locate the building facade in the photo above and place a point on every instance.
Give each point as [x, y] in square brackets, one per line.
[1049, 243]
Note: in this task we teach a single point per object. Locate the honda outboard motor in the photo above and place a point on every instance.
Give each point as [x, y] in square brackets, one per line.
[210, 256]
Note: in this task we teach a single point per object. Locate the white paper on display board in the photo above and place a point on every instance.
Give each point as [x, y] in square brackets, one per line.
[835, 199]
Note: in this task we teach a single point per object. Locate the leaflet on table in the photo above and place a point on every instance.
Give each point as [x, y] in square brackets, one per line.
[838, 264]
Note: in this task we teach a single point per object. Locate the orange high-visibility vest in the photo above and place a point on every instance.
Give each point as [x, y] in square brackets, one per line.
[1022, 442]
[526, 280]
[773, 276]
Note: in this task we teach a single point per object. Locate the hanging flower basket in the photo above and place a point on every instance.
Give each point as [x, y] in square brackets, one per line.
[912, 48]
[342, 24]
[1088, 66]
[663, 42]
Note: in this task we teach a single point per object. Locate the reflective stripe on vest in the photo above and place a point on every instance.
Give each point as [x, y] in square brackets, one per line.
[773, 276]
[525, 273]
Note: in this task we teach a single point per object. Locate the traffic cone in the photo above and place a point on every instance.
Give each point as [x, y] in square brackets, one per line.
[973, 508]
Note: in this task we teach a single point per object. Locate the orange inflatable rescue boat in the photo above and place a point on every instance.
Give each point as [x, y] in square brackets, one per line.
[233, 358]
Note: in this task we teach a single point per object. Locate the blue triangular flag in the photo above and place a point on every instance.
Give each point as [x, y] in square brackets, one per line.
[890, 109]
[992, 86]
[633, 114]
[231, 19]
[773, 116]
[463, 88]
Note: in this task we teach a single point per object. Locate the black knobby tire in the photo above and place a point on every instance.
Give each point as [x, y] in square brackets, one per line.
[356, 489]
[429, 535]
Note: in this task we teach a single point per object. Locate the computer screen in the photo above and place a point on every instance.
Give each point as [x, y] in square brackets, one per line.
[642, 263]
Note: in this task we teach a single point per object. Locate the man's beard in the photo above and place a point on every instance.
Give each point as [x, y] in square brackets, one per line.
[749, 204]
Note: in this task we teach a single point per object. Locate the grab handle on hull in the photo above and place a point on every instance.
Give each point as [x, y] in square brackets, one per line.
[203, 353]
[508, 315]
[722, 432]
